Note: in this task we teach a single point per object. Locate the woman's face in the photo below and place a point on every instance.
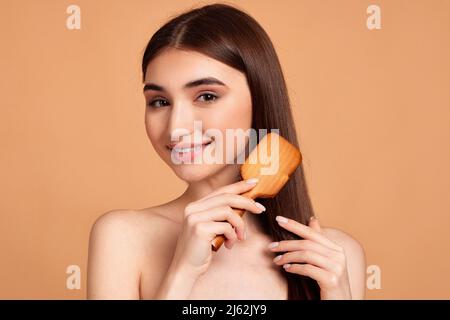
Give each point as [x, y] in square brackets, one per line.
[174, 101]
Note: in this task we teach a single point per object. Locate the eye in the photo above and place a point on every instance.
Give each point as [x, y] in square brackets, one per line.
[158, 103]
[209, 97]
[155, 103]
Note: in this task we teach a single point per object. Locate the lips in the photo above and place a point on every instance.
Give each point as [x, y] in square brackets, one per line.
[186, 153]
[187, 147]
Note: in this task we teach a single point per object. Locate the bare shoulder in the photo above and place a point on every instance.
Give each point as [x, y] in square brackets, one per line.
[119, 243]
[131, 225]
[131, 230]
[356, 259]
[345, 240]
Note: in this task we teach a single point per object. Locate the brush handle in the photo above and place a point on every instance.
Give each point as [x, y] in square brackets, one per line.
[220, 239]
[217, 242]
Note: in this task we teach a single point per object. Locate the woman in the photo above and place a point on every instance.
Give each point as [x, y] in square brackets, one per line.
[216, 65]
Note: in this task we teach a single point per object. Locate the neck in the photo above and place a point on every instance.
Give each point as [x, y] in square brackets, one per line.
[199, 189]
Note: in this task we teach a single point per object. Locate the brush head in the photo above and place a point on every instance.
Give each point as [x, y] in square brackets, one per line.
[272, 161]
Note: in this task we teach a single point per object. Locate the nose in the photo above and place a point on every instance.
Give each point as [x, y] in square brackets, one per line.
[181, 120]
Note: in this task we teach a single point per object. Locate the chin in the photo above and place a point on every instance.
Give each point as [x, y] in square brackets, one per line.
[196, 172]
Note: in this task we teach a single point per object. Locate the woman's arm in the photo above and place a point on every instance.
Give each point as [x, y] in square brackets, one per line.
[356, 260]
[113, 271]
[117, 251]
[176, 285]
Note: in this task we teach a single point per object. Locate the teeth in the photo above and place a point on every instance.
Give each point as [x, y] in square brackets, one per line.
[196, 148]
[190, 149]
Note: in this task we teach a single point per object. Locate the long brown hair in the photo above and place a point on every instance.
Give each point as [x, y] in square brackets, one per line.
[233, 37]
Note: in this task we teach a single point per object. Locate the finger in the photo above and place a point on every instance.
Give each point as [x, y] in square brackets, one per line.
[316, 273]
[314, 224]
[213, 229]
[236, 188]
[225, 199]
[296, 245]
[306, 232]
[305, 256]
[228, 243]
[220, 214]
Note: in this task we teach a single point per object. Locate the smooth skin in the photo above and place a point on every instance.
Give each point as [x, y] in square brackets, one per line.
[164, 252]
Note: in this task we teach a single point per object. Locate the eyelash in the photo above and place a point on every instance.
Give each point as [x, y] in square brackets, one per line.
[215, 97]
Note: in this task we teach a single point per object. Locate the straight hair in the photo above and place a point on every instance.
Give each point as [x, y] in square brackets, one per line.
[233, 37]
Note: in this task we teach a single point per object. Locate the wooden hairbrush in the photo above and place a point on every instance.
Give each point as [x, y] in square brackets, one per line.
[268, 186]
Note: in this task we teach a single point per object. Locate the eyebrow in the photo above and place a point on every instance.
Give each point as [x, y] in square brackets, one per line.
[195, 83]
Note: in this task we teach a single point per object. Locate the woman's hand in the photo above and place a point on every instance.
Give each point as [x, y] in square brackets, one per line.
[208, 217]
[316, 256]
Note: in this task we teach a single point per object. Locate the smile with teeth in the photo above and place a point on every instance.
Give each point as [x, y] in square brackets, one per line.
[196, 148]
[187, 154]
[190, 149]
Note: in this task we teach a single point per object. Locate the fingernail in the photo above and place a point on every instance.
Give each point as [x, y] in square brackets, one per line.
[286, 266]
[245, 235]
[252, 180]
[273, 245]
[277, 258]
[260, 206]
[281, 219]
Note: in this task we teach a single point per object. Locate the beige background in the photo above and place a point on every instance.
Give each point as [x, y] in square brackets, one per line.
[372, 109]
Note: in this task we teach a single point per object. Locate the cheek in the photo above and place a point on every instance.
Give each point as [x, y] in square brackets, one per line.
[242, 116]
[234, 115]
[154, 127]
